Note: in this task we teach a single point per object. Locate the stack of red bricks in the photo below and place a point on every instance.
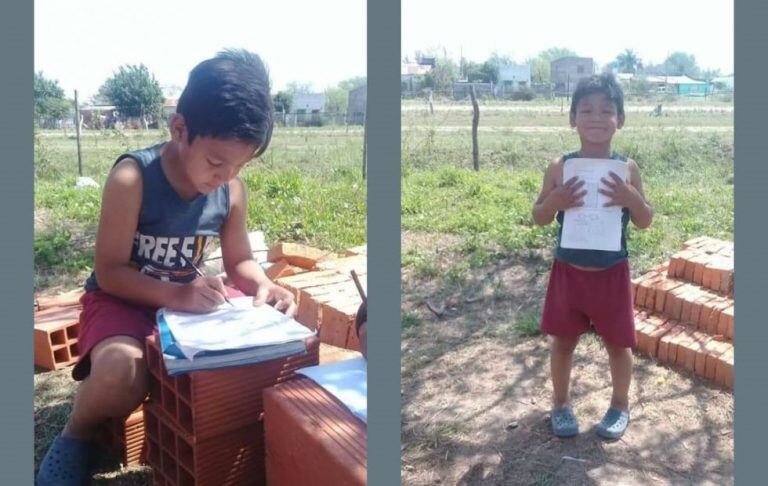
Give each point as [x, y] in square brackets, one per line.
[322, 285]
[205, 427]
[126, 437]
[685, 310]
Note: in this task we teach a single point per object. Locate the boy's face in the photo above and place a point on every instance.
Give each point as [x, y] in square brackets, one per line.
[597, 119]
[210, 162]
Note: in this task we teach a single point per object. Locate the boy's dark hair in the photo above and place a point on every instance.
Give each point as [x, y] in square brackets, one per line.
[227, 97]
[362, 316]
[599, 83]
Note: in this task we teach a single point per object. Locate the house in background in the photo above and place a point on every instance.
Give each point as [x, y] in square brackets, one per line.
[566, 72]
[679, 85]
[513, 77]
[307, 103]
[356, 103]
[410, 75]
[723, 84]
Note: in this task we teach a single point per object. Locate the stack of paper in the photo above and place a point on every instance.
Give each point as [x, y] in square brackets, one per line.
[346, 380]
[593, 226]
[229, 336]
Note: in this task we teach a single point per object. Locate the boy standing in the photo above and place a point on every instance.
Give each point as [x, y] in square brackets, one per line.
[160, 206]
[592, 286]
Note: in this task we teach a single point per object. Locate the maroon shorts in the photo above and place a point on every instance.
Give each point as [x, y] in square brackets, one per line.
[104, 316]
[603, 298]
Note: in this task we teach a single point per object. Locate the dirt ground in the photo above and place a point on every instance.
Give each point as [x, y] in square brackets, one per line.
[476, 394]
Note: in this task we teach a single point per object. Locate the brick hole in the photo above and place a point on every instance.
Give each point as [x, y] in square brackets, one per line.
[186, 456]
[58, 337]
[73, 331]
[169, 401]
[154, 452]
[184, 387]
[74, 351]
[169, 467]
[154, 389]
[185, 417]
[61, 355]
[151, 427]
[185, 479]
[167, 437]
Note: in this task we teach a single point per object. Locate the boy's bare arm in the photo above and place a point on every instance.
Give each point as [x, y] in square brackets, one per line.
[239, 264]
[642, 213]
[120, 206]
[556, 196]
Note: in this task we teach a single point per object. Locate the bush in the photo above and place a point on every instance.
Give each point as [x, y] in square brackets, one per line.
[523, 94]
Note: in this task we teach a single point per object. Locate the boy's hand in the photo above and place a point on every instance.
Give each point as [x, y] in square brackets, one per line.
[619, 192]
[282, 299]
[201, 295]
[567, 195]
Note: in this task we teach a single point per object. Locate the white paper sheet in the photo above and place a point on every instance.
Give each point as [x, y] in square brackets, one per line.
[346, 380]
[243, 326]
[592, 226]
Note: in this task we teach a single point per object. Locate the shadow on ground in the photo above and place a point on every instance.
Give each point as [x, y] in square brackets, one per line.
[476, 396]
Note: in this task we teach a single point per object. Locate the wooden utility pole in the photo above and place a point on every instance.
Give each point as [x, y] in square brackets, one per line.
[475, 122]
[77, 128]
[431, 107]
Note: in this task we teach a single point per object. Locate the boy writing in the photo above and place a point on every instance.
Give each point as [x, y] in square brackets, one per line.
[160, 206]
[592, 286]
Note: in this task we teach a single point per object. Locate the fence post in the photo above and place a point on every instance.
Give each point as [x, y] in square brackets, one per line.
[365, 146]
[475, 122]
[77, 128]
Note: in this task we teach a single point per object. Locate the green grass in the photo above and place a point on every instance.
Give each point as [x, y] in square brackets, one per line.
[306, 188]
[688, 178]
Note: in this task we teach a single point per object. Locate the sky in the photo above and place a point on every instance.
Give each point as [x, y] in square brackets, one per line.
[600, 29]
[81, 43]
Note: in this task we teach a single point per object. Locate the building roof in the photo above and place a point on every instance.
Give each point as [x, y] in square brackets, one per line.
[673, 80]
[413, 68]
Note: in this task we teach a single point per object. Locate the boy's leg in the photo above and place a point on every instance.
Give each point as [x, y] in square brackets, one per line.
[620, 360]
[117, 384]
[561, 359]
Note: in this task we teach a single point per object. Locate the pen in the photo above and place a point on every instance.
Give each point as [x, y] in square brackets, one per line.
[200, 273]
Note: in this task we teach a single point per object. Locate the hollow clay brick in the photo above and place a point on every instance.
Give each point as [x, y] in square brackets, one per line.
[311, 438]
[282, 268]
[297, 254]
[210, 402]
[66, 299]
[178, 458]
[724, 369]
[55, 337]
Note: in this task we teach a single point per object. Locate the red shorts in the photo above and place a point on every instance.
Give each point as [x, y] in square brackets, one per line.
[603, 298]
[104, 316]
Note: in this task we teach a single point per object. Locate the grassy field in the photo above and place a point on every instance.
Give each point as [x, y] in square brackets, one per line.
[306, 188]
[475, 371]
[688, 176]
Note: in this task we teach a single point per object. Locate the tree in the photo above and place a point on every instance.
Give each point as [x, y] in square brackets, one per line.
[336, 100]
[283, 101]
[50, 102]
[681, 64]
[628, 61]
[490, 71]
[442, 75]
[297, 87]
[135, 92]
[353, 83]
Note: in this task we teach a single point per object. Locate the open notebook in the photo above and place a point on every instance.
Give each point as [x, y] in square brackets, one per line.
[228, 336]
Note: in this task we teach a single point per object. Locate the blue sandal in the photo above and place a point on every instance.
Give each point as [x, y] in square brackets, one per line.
[614, 424]
[564, 423]
[67, 463]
